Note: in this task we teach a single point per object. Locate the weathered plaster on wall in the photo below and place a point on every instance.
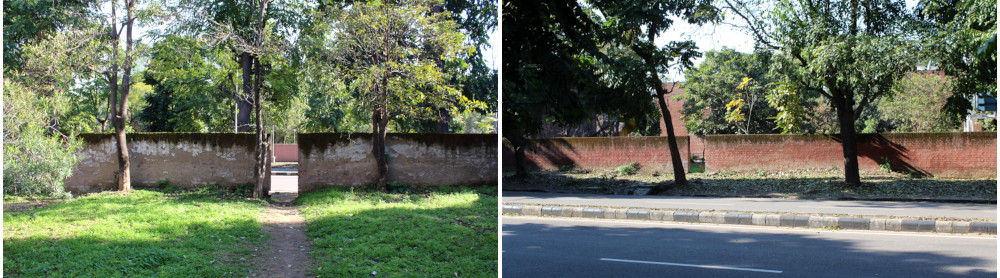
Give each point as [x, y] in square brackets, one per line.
[417, 159]
[190, 161]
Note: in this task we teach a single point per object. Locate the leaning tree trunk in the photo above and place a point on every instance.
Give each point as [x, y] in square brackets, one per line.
[675, 155]
[848, 142]
[654, 79]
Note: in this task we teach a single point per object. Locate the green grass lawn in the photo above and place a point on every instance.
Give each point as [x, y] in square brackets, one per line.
[201, 233]
[441, 232]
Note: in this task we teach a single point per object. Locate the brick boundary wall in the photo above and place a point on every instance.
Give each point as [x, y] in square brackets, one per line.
[185, 159]
[286, 152]
[340, 159]
[945, 154]
[651, 152]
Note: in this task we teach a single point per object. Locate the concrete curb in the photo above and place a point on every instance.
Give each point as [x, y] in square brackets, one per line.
[777, 220]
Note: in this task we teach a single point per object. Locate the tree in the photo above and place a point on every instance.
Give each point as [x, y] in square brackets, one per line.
[120, 92]
[961, 37]
[545, 77]
[714, 101]
[918, 104]
[25, 21]
[565, 62]
[184, 79]
[238, 22]
[851, 52]
[387, 52]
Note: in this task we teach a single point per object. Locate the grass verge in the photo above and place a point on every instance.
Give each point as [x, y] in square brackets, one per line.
[807, 184]
[440, 232]
[207, 232]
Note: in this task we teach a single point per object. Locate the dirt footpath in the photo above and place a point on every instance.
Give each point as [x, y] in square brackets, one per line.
[287, 255]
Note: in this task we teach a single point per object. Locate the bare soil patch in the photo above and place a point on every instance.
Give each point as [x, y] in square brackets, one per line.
[287, 255]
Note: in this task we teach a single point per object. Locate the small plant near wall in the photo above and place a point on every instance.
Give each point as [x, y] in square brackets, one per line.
[628, 169]
[885, 166]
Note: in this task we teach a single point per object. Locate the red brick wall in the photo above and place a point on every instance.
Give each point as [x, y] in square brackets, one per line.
[286, 152]
[651, 153]
[948, 154]
[964, 155]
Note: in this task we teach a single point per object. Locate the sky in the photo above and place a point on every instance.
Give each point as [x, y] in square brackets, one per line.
[706, 37]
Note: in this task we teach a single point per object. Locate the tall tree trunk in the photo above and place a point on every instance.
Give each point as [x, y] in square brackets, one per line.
[260, 188]
[378, 146]
[260, 137]
[848, 142]
[243, 105]
[120, 107]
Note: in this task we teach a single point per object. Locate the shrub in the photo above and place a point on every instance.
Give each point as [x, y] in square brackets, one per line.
[628, 169]
[36, 158]
[886, 167]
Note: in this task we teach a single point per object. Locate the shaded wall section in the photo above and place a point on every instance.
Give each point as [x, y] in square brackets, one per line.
[651, 152]
[185, 159]
[946, 154]
[339, 159]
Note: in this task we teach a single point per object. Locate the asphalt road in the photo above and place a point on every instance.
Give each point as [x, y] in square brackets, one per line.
[860, 208]
[559, 247]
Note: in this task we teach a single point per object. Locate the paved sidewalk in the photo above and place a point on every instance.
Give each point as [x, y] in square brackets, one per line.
[860, 215]
[858, 208]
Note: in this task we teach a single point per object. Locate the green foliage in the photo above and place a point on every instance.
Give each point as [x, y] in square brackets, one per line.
[628, 169]
[36, 159]
[960, 37]
[29, 21]
[443, 232]
[401, 78]
[918, 105]
[146, 233]
[715, 82]
[567, 62]
[185, 82]
[885, 166]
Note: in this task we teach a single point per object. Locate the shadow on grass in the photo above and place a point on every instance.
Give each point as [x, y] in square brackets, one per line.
[575, 248]
[440, 233]
[874, 188]
[145, 233]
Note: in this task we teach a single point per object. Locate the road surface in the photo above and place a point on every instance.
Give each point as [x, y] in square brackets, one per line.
[561, 247]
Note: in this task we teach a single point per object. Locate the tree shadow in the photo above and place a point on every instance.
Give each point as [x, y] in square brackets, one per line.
[459, 238]
[552, 151]
[575, 250]
[883, 151]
